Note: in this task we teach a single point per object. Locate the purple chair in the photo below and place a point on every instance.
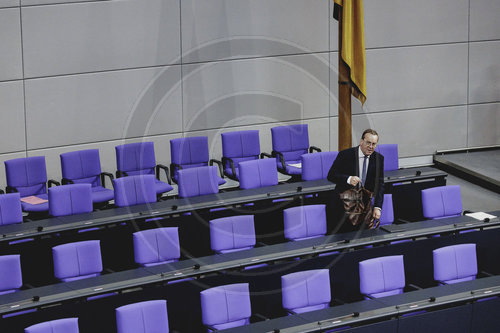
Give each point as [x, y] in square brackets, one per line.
[226, 306]
[304, 222]
[197, 181]
[10, 209]
[139, 159]
[66, 325]
[390, 153]
[316, 166]
[231, 234]
[70, 199]
[387, 216]
[134, 190]
[442, 201]
[156, 246]
[76, 261]
[84, 166]
[143, 317]
[306, 291]
[10, 274]
[191, 152]
[258, 173]
[239, 146]
[28, 176]
[289, 143]
[383, 276]
[455, 263]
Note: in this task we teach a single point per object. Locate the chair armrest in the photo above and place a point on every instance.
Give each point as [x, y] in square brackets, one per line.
[164, 168]
[120, 174]
[103, 179]
[173, 167]
[262, 155]
[11, 189]
[467, 212]
[66, 181]
[314, 148]
[281, 158]
[2, 192]
[259, 316]
[219, 164]
[53, 182]
[231, 164]
[413, 286]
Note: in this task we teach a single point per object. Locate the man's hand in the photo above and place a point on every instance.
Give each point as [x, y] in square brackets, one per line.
[376, 213]
[354, 180]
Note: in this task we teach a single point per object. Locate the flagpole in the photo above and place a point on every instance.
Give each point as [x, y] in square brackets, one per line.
[345, 117]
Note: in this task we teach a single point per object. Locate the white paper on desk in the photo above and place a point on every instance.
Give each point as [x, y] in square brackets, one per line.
[480, 216]
[296, 165]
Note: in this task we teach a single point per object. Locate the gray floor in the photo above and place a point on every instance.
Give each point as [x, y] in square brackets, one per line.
[474, 197]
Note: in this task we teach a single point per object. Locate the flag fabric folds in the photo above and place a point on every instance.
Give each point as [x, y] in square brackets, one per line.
[353, 44]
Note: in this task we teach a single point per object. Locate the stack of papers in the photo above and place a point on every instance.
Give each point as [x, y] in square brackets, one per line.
[481, 216]
[33, 200]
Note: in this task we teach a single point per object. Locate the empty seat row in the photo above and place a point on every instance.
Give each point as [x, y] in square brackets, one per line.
[229, 306]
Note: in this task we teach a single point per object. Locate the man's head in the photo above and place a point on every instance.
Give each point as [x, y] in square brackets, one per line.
[369, 141]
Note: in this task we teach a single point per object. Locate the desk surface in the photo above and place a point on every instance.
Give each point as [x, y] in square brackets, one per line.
[196, 267]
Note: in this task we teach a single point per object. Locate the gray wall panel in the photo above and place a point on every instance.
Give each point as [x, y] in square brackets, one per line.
[407, 22]
[254, 91]
[484, 19]
[84, 37]
[415, 77]
[484, 125]
[417, 132]
[221, 29]
[10, 41]
[103, 106]
[12, 117]
[9, 3]
[484, 72]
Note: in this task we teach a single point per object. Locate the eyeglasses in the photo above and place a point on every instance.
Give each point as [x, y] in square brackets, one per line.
[370, 144]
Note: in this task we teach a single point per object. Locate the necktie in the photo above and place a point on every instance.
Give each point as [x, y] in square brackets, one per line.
[363, 175]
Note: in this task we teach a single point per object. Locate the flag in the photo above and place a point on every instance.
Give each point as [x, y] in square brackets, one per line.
[352, 49]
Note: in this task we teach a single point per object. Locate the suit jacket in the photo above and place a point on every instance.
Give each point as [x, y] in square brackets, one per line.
[346, 164]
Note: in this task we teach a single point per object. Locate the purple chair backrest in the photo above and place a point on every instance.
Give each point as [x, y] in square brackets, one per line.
[10, 208]
[10, 273]
[66, 325]
[441, 201]
[387, 216]
[382, 276]
[303, 222]
[240, 146]
[70, 199]
[229, 234]
[226, 306]
[156, 246]
[455, 263]
[83, 166]
[198, 181]
[134, 190]
[189, 151]
[316, 166]
[136, 158]
[258, 173]
[74, 261]
[306, 291]
[28, 175]
[291, 140]
[390, 153]
[143, 317]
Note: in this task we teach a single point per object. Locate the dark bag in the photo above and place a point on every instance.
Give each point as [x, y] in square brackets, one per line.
[358, 206]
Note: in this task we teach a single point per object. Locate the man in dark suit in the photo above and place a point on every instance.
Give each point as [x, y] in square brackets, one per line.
[361, 164]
